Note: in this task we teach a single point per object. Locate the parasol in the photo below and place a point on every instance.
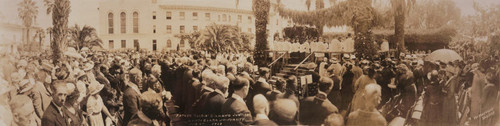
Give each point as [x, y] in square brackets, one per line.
[444, 55]
[71, 52]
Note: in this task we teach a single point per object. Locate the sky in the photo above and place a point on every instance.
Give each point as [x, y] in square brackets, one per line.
[84, 12]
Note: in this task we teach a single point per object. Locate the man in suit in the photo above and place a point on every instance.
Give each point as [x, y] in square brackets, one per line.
[235, 105]
[131, 97]
[217, 98]
[54, 115]
[314, 109]
[261, 107]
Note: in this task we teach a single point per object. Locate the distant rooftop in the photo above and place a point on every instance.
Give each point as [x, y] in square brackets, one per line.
[228, 4]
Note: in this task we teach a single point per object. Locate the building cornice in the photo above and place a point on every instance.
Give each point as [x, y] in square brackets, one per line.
[186, 7]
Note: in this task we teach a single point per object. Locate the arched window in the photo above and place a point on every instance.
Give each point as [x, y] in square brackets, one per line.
[181, 44]
[169, 44]
[110, 23]
[123, 22]
[136, 22]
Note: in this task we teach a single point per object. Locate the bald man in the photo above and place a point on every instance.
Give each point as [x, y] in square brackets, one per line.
[368, 115]
[261, 107]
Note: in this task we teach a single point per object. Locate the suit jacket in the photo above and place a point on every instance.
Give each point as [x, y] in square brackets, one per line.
[214, 103]
[365, 118]
[131, 103]
[52, 117]
[314, 109]
[233, 106]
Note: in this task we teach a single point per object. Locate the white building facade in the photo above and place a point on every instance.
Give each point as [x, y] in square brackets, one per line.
[153, 24]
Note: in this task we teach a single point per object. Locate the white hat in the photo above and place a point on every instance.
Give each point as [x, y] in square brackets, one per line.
[88, 66]
[95, 88]
[25, 85]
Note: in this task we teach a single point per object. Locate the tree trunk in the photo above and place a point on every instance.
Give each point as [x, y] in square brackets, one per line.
[261, 11]
[28, 37]
[40, 41]
[60, 14]
[399, 30]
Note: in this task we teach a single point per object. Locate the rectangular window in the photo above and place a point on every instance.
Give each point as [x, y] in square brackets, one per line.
[181, 44]
[249, 29]
[111, 44]
[207, 16]
[250, 19]
[124, 44]
[154, 15]
[195, 28]
[136, 43]
[182, 15]
[154, 28]
[195, 15]
[154, 45]
[182, 28]
[169, 44]
[169, 29]
[240, 18]
[229, 18]
[169, 15]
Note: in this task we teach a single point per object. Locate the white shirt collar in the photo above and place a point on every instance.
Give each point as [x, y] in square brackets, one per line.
[261, 116]
[238, 98]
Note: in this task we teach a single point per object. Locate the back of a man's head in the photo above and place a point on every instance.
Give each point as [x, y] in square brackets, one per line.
[291, 83]
[325, 84]
[285, 109]
[372, 95]
[334, 120]
[260, 104]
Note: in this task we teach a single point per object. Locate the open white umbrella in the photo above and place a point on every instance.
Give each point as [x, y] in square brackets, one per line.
[71, 52]
[444, 55]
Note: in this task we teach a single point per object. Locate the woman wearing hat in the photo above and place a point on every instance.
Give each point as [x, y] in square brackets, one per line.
[95, 105]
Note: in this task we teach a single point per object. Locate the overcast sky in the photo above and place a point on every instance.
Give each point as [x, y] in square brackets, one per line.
[84, 12]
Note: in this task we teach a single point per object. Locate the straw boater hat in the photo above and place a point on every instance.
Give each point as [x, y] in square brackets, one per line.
[22, 63]
[334, 60]
[47, 67]
[25, 85]
[311, 66]
[88, 66]
[95, 88]
[80, 74]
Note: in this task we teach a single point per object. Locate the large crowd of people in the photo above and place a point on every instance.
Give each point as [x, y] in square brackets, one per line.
[103, 88]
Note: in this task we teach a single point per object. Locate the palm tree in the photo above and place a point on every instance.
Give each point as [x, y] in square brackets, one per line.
[85, 37]
[400, 8]
[27, 11]
[40, 34]
[60, 10]
[218, 38]
[261, 12]
[308, 4]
